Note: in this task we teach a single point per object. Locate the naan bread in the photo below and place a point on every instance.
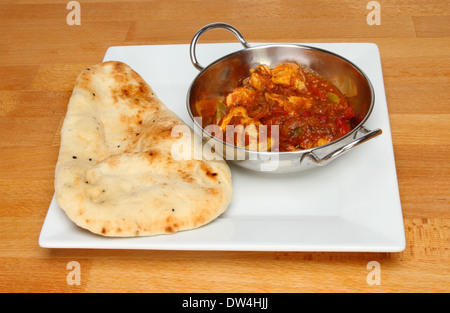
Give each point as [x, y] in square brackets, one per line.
[115, 174]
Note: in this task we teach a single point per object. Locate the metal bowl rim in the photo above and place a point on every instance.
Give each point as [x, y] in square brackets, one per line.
[266, 46]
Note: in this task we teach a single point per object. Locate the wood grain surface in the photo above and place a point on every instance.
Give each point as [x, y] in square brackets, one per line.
[41, 56]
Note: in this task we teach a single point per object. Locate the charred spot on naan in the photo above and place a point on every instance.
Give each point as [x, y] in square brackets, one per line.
[186, 176]
[122, 76]
[152, 156]
[208, 171]
[172, 225]
[133, 92]
[136, 119]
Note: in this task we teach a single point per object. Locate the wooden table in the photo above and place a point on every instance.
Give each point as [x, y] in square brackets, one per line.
[41, 56]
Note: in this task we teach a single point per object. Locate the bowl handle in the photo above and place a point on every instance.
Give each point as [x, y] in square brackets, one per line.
[207, 28]
[367, 135]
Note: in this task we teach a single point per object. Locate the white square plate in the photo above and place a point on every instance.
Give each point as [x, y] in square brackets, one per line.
[351, 204]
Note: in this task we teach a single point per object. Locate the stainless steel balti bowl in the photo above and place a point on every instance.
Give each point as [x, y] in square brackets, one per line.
[224, 74]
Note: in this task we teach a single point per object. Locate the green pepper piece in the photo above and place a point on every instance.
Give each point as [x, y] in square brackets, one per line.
[296, 132]
[332, 97]
[221, 111]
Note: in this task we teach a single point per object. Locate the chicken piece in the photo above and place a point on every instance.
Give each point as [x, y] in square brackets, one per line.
[246, 130]
[289, 74]
[300, 103]
[241, 96]
[260, 78]
[238, 112]
[322, 141]
[293, 105]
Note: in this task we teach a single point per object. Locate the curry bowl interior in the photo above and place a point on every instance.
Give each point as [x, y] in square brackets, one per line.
[227, 73]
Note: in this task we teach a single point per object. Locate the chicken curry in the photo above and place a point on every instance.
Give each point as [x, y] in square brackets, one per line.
[308, 110]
